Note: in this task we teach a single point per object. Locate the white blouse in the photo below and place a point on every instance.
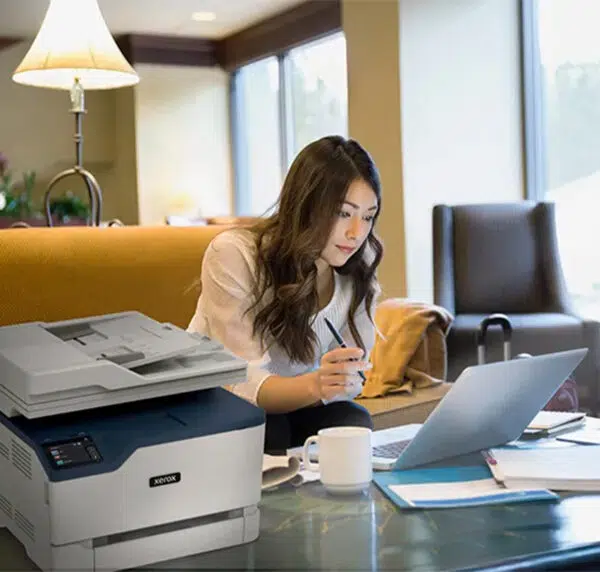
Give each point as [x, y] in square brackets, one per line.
[227, 275]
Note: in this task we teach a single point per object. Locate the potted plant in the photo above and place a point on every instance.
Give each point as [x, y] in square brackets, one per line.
[16, 201]
[69, 208]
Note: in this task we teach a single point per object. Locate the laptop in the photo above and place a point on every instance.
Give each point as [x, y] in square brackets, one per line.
[487, 406]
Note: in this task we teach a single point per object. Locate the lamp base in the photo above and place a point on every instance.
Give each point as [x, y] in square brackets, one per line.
[93, 189]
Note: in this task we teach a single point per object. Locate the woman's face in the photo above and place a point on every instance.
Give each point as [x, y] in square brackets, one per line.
[352, 224]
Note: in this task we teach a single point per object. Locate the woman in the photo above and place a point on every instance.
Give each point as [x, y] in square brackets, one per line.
[267, 289]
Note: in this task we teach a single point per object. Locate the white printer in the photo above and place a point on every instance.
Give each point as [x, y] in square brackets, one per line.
[119, 447]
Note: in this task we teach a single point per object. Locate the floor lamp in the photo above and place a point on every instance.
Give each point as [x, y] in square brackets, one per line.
[75, 51]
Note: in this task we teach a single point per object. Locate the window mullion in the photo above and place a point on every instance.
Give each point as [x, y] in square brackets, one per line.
[286, 108]
[239, 135]
[534, 105]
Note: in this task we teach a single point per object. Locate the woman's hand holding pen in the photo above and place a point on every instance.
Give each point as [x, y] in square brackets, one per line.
[336, 378]
[339, 371]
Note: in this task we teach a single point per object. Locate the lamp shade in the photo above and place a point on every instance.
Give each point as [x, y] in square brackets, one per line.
[74, 43]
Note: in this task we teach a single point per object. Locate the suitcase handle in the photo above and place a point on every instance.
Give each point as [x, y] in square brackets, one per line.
[493, 320]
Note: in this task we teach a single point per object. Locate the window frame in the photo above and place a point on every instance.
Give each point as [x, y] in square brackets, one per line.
[536, 183]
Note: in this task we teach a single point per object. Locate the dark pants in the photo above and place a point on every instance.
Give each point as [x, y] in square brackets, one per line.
[287, 430]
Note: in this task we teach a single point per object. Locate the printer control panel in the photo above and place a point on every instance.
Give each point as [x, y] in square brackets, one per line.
[74, 452]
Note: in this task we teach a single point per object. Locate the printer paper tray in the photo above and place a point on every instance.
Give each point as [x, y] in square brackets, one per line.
[179, 543]
[55, 404]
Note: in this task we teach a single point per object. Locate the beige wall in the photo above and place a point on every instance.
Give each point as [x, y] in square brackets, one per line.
[449, 89]
[183, 142]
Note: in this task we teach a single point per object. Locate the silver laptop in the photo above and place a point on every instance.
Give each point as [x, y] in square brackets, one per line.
[488, 405]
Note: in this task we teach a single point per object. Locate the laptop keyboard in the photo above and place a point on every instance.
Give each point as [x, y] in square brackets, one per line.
[391, 450]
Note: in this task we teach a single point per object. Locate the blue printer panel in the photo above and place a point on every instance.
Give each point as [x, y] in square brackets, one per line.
[86, 443]
[71, 453]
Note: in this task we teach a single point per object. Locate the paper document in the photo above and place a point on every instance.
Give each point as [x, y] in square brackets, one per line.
[568, 468]
[586, 436]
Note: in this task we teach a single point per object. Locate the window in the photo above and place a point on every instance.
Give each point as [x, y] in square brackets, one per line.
[562, 82]
[258, 157]
[319, 92]
[280, 104]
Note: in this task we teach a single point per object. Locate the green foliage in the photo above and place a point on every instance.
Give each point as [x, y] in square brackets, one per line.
[17, 198]
[69, 206]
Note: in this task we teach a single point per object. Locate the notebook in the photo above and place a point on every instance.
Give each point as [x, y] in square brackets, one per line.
[558, 466]
[280, 469]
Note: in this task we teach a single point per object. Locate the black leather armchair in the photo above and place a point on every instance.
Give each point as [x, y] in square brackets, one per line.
[504, 258]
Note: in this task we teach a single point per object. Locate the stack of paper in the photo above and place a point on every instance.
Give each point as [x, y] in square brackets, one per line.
[568, 467]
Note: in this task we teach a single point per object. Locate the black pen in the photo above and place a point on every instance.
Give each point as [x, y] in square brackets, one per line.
[341, 342]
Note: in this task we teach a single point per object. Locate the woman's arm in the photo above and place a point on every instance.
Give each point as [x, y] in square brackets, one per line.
[338, 370]
[336, 378]
[278, 394]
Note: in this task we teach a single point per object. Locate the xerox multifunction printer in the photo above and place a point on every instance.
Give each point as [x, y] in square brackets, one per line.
[119, 447]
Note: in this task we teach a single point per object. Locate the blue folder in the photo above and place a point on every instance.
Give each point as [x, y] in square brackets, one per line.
[461, 470]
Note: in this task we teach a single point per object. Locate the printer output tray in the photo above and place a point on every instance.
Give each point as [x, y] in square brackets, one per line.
[55, 404]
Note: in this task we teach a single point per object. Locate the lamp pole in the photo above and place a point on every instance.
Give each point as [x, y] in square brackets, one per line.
[92, 186]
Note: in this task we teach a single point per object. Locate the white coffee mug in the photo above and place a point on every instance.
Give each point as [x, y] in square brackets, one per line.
[344, 458]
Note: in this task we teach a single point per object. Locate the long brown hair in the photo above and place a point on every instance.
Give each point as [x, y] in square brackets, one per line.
[291, 240]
